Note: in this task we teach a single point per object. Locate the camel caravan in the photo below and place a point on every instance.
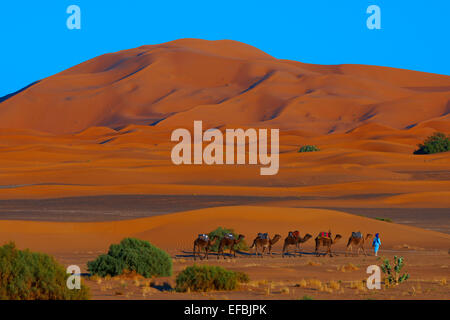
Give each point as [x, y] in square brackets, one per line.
[263, 244]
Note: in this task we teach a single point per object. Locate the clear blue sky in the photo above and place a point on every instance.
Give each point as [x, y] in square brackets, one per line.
[35, 42]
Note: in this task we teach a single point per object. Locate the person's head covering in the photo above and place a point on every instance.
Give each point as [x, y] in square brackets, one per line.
[377, 235]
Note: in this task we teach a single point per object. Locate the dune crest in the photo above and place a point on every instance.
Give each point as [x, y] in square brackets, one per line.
[184, 226]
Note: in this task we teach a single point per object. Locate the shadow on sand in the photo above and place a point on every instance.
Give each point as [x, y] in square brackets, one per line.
[190, 254]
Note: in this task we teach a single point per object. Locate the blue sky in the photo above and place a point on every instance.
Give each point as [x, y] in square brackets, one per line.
[36, 42]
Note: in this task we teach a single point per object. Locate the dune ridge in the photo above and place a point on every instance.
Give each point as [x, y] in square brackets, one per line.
[177, 231]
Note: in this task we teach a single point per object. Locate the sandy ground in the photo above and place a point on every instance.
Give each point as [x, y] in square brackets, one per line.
[123, 207]
[303, 277]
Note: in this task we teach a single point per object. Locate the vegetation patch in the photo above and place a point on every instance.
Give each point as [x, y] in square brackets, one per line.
[221, 232]
[207, 278]
[132, 255]
[392, 272]
[308, 148]
[436, 143]
[26, 275]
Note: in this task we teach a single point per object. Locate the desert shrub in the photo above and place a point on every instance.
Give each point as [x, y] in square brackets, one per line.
[220, 232]
[308, 148]
[132, 255]
[438, 142]
[392, 274]
[207, 278]
[26, 275]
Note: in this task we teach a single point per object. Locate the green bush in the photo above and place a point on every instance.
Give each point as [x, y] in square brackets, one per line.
[392, 274]
[220, 232]
[308, 148]
[132, 255]
[207, 278]
[438, 142]
[26, 275]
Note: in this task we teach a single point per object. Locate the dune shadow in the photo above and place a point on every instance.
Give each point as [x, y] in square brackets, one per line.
[8, 96]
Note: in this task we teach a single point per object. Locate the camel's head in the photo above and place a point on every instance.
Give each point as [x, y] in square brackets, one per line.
[369, 236]
[276, 237]
[337, 237]
[241, 236]
[307, 237]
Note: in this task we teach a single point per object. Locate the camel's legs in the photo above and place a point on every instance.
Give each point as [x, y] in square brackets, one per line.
[351, 249]
[263, 250]
[364, 250]
[299, 249]
[195, 249]
[317, 249]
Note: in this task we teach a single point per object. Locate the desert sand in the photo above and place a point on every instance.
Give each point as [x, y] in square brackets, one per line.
[178, 230]
[103, 128]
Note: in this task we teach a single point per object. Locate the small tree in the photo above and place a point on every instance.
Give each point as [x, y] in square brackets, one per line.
[392, 275]
[132, 255]
[438, 142]
[221, 232]
[308, 148]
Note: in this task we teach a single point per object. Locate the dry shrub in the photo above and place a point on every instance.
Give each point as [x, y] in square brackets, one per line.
[334, 285]
[359, 285]
[315, 283]
[348, 267]
[313, 263]
[285, 290]
[302, 284]
[146, 291]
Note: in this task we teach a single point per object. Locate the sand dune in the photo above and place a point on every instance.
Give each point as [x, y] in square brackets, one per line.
[103, 128]
[370, 160]
[177, 231]
[224, 83]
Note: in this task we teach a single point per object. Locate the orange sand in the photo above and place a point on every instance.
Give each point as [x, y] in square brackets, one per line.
[177, 231]
[86, 131]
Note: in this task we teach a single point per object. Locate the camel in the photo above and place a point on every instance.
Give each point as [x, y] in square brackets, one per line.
[225, 241]
[265, 243]
[292, 240]
[326, 242]
[201, 243]
[357, 242]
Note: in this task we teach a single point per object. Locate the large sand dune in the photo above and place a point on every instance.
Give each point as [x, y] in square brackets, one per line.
[175, 232]
[103, 128]
[224, 83]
